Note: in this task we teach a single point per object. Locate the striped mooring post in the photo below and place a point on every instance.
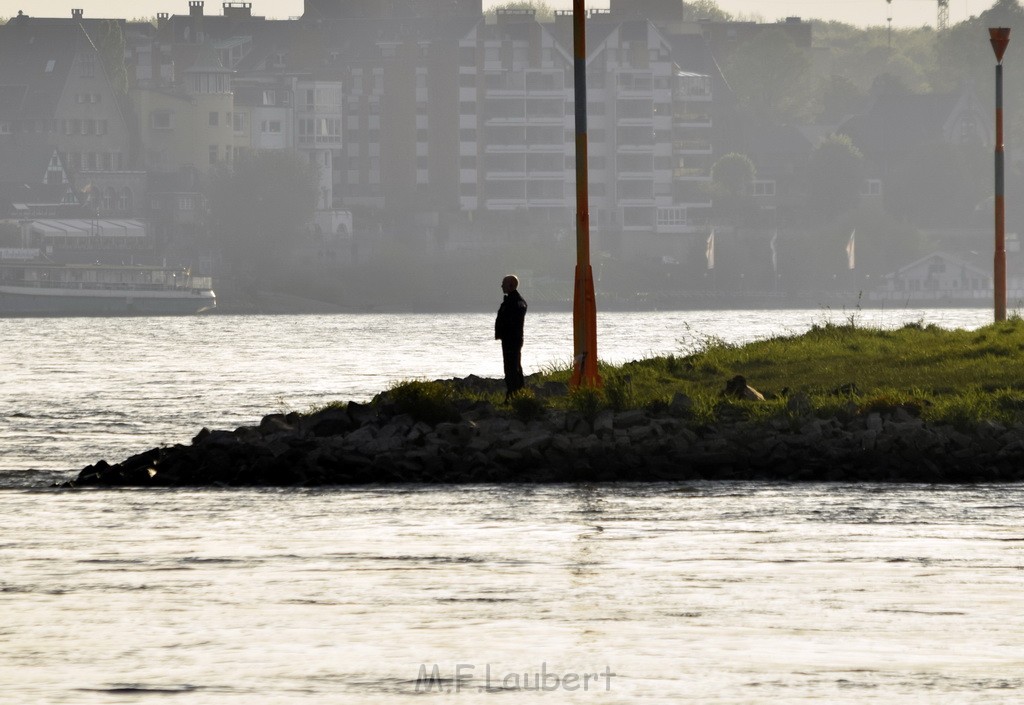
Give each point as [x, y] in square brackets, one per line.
[584, 304]
[1000, 38]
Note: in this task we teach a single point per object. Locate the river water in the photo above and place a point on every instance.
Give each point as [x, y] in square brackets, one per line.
[704, 592]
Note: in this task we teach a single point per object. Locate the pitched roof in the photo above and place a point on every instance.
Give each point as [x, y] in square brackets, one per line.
[35, 62]
[969, 261]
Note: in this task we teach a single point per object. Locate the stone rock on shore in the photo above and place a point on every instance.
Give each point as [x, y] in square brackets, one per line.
[374, 444]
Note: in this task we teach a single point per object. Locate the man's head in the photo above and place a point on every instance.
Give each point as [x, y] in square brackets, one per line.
[509, 284]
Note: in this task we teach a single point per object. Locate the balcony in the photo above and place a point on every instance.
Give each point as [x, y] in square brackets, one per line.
[691, 174]
[684, 118]
[691, 146]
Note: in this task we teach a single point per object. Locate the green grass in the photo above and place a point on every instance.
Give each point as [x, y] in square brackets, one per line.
[958, 377]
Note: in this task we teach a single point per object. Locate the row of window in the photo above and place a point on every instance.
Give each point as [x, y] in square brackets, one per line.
[215, 153]
[973, 283]
[67, 127]
[321, 130]
[209, 83]
[93, 161]
[111, 199]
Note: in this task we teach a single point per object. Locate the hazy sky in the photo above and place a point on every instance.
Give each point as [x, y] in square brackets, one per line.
[905, 13]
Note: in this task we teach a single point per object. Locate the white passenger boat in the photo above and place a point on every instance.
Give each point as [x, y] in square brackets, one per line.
[33, 286]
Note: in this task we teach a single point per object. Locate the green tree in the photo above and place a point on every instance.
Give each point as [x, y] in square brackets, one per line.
[839, 97]
[835, 174]
[732, 179]
[964, 53]
[545, 13]
[111, 49]
[940, 184]
[772, 76]
[260, 208]
[861, 54]
[704, 10]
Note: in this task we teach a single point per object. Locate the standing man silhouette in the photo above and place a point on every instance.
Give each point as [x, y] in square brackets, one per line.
[508, 328]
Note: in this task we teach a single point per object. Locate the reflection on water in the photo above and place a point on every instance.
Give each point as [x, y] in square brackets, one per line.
[724, 593]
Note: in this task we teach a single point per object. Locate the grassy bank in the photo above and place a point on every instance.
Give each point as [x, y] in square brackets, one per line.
[959, 377]
[841, 404]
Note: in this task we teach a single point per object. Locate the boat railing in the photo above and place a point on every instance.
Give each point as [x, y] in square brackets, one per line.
[108, 286]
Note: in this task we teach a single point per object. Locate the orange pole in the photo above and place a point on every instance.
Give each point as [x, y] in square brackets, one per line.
[1000, 38]
[584, 304]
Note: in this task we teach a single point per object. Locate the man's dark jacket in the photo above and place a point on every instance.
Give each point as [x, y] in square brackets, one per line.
[509, 324]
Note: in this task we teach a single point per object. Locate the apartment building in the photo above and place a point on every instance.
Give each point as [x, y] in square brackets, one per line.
[423, 110]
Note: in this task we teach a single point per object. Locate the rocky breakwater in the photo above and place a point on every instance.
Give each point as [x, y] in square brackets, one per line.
[480, 443]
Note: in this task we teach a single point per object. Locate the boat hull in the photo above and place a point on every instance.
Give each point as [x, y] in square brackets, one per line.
[33, 301]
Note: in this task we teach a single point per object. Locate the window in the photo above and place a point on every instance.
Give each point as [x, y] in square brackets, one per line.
[213, 153]
[273, 126]
[671, 217]
[214, 119]
[5, 127]
[764, 188]
[269, 98]
[109, 198]
[124, 200]
[238, 122]
[49, 65]
[160, 120]
[101, 127]
[872, 187]
[87, 65]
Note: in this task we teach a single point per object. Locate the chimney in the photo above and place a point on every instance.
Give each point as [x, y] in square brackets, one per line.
[76, 13]
[195, 8]
[238, 9]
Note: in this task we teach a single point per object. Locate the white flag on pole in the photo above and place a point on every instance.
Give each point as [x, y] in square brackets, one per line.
[775, 251]
[851, 251]
[709, 250]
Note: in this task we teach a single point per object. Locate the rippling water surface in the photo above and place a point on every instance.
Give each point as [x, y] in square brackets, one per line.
[703, 593]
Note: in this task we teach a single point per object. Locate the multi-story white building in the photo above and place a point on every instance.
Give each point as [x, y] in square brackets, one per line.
[514, 118]
[649, 125]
